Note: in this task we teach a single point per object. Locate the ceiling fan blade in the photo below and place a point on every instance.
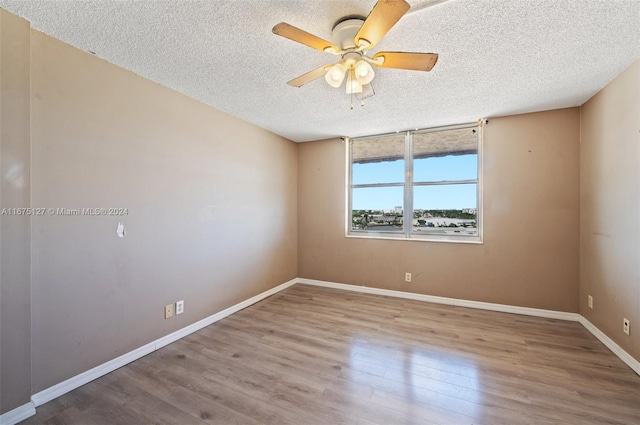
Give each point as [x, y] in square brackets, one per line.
[296, 34]
[384, 15]
[402, 60]
[309, 76]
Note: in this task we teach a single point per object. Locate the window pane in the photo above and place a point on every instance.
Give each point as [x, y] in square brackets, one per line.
[445, 155]
[449, 168]
[445, 209]
[378, 160]
[377, 209]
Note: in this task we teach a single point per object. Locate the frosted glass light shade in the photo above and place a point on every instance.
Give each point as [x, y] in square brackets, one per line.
[335, 75]
[353, 85]
[364, 72]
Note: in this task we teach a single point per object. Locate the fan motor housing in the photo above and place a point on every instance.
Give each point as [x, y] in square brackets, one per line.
[345, 31]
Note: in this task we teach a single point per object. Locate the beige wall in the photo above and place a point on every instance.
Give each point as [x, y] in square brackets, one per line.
[15, 291]
[610, 209]
[211, 201]
[530, 251]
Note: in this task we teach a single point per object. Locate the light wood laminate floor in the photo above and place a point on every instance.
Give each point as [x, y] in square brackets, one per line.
[312, 355]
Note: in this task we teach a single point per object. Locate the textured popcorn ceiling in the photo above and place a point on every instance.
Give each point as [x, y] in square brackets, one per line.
[497, 57]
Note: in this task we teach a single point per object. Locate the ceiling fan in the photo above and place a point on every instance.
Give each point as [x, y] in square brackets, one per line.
[353, 38]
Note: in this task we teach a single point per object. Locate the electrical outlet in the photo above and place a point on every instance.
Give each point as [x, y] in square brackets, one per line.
[407, 277]
[625, 325]
[180, 307]
[590, 301]
[169, 311]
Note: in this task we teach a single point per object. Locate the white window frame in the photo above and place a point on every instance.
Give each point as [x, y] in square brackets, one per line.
[408, 186]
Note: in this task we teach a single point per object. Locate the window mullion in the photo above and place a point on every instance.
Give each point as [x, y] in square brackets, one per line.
[349, 175]
[408, 184]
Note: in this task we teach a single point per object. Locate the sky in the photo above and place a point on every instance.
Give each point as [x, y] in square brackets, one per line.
[460, 167]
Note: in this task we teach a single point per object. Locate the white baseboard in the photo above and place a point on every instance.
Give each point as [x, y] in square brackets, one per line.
[611, 345]
[527, 311]
[74, 382]
[18, 414]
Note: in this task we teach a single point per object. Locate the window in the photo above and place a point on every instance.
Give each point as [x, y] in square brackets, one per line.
[417, 185]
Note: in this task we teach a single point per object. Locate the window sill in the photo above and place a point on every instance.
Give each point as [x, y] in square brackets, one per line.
[473, 240]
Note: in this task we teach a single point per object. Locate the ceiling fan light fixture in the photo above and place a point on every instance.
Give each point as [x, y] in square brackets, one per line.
[353, 38]
[364, 72]
[335, 76]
